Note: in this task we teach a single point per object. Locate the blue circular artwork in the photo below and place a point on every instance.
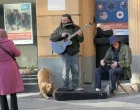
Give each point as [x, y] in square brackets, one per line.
[111, 6]
[124, 5]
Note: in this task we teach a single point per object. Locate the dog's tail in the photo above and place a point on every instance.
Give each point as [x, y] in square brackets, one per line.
[49, 71]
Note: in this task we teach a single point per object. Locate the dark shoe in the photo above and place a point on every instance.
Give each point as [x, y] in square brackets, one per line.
[112, 93]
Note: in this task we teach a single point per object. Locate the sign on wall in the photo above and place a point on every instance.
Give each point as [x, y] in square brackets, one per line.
[118, 28]
[18, 22]
[111, 11]
[56, 4]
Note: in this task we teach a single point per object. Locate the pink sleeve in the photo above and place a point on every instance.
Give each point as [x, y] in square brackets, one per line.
[15, 50]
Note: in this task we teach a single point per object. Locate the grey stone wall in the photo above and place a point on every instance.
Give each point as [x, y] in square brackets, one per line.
[28, 56]
[135, 67]
[86, 69]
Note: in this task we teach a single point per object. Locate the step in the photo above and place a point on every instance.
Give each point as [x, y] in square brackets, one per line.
[29, 76]
[31, 87]
[34, 73]
[30, 84]
[30, 80]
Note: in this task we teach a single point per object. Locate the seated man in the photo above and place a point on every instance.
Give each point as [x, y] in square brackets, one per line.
[118, 58]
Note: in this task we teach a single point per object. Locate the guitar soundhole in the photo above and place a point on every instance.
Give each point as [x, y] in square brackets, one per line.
[65, 39]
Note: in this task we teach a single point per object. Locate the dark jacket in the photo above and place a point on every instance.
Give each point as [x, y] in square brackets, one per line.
[76, 40]
[125, 59]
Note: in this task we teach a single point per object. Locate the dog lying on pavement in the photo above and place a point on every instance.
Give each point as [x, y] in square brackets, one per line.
[45, 84]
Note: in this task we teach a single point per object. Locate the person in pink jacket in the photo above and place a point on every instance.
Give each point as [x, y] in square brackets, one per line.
[10, 78]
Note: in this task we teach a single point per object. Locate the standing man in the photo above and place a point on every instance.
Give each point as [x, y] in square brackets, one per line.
[70, 55]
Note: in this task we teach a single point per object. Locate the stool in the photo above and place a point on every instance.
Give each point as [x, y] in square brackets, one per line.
[118, 82]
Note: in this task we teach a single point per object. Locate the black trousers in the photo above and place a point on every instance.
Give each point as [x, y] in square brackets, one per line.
[13, 102]
[113, 73]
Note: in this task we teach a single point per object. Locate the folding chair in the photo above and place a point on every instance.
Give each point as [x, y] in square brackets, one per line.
[119, 79]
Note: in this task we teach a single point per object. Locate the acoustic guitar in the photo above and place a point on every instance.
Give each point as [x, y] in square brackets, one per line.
[60, 46]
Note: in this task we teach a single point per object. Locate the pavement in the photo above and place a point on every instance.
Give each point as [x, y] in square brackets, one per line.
[122, 101]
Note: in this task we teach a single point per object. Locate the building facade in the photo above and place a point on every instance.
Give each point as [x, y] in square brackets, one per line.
[82, 12]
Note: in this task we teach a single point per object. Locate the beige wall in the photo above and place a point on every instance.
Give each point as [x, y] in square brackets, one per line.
[47, 21]
[134, 38]
[134, 26]
[87, 15]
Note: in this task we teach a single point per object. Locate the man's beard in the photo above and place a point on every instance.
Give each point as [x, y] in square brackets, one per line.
[68, 25]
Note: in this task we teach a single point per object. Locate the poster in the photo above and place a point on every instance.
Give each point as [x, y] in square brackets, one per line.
[111, 11]
[56, 4]
[18, 22]
[118, 28]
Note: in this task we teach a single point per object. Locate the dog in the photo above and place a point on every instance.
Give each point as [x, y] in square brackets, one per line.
[45, 85]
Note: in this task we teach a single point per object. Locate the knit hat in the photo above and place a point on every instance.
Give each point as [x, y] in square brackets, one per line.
[113, 39]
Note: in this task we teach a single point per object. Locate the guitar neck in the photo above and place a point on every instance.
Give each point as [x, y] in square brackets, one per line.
[74, 34]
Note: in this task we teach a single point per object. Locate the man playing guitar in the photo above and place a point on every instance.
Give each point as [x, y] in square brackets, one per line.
[70, 55]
